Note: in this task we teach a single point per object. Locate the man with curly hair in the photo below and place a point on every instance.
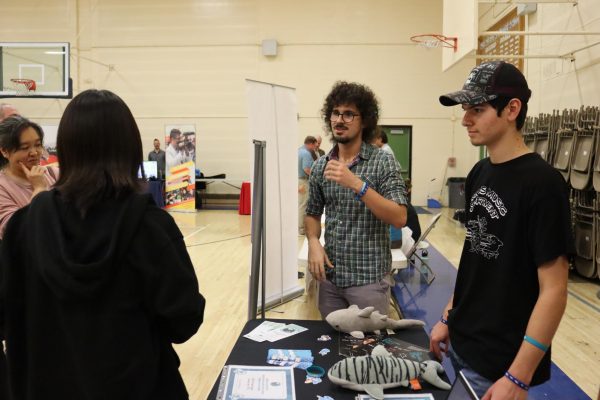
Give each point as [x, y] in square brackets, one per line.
[362, 193]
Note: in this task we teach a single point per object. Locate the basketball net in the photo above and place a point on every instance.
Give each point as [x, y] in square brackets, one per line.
[433, 40]
[23, 87]
[429, 44]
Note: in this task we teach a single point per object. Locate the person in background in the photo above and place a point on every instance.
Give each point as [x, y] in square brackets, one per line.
[361, 191]
[305, 161]
[159, 156]
[318, 152]
[94, 276]
[511, 287]
[381, 141]
[21, 175]
[6, 110]
[412, 219]
[399, 237]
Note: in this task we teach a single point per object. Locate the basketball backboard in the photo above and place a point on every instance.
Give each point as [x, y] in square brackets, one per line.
[35, 70]
[460, 20]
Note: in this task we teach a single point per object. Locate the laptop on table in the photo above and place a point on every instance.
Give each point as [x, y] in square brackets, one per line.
[461, 389]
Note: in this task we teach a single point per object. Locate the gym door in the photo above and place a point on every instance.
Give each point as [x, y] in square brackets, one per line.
[400, 140]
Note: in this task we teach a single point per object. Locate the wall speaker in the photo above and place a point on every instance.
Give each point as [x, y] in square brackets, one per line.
[269, 47]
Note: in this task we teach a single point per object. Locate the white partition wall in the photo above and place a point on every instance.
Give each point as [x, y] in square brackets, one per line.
[272, 117]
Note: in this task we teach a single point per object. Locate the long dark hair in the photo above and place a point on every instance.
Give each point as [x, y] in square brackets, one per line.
[10, 134]
[99, 149]
[362, 97]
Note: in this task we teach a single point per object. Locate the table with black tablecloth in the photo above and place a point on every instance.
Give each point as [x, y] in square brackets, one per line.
[249, 352]
[157, 189]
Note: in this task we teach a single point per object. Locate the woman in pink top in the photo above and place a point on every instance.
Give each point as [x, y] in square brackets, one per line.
[21, 175]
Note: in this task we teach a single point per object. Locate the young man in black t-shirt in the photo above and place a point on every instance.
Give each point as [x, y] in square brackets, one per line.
[511, 288]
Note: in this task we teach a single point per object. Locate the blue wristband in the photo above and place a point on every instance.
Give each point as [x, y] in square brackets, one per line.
[443, 321]
[534, 342]
[517, 382]
[363, 190]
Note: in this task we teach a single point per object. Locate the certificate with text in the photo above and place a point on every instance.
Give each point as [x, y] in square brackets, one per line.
[259, 383]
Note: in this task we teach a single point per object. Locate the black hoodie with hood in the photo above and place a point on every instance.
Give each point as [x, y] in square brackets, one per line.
[90, 306]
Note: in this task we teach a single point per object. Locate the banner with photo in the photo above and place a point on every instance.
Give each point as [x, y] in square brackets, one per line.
[180, 160]
[181, 188]
[49, 156]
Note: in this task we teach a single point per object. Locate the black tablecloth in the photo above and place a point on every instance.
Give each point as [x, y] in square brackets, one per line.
[157, 190]
[249, 352]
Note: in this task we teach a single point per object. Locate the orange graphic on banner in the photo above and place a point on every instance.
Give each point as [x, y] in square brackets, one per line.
[181, 188]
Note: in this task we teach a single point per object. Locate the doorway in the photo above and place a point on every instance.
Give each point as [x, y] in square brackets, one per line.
[400, 140]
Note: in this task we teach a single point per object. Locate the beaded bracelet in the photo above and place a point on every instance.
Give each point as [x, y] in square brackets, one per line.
[535, 343]
[363, 190]
[443, 321]
[517, 382]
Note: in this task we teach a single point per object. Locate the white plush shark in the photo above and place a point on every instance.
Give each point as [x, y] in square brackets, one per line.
[355, 321]
[381, 370]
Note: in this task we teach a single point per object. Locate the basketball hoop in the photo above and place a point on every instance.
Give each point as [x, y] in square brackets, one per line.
[432, 40]
[23, 87]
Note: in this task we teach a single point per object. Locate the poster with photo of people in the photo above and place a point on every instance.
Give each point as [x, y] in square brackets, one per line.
[49, 156]
[180, 160]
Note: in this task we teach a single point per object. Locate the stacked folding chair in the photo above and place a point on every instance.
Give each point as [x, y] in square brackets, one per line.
[589, 273]
[570, 141]
[544, 131]
[554, 121]
[585, 222]
[529, 132]
[584, 147]
[564, 142]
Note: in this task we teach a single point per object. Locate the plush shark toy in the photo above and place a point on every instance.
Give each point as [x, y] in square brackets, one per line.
[381, 370]
[355, 321]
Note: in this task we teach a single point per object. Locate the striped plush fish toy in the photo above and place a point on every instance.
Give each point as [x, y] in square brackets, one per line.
[381, 370]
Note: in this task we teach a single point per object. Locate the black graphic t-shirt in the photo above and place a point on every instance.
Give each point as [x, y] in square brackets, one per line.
[517, 218]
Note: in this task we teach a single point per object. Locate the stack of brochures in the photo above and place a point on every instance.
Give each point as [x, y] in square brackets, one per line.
[293, 358]
[273, 331]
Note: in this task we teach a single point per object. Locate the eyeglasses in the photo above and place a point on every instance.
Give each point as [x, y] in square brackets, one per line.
[347, 116]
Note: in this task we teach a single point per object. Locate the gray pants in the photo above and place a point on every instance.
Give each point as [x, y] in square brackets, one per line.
[332, 298]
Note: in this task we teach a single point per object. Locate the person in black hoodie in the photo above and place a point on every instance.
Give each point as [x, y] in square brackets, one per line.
[95, 280]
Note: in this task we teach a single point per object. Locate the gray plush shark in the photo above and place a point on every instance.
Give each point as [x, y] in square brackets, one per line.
[355, 321]
[381, 370]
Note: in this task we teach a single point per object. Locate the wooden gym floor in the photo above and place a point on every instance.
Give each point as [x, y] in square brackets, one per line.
[219, 246]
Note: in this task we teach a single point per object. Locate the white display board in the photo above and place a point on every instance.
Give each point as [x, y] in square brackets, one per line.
[272, 117]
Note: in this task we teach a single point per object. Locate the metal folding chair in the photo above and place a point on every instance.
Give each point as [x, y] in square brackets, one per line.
[412, 253]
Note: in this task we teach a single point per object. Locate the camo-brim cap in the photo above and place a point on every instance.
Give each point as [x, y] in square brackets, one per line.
[487, 81]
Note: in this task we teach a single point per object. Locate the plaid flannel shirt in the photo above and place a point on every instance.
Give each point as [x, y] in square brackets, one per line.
[356, 242]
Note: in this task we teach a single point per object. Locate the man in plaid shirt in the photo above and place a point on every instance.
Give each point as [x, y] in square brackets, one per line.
[361, 191]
